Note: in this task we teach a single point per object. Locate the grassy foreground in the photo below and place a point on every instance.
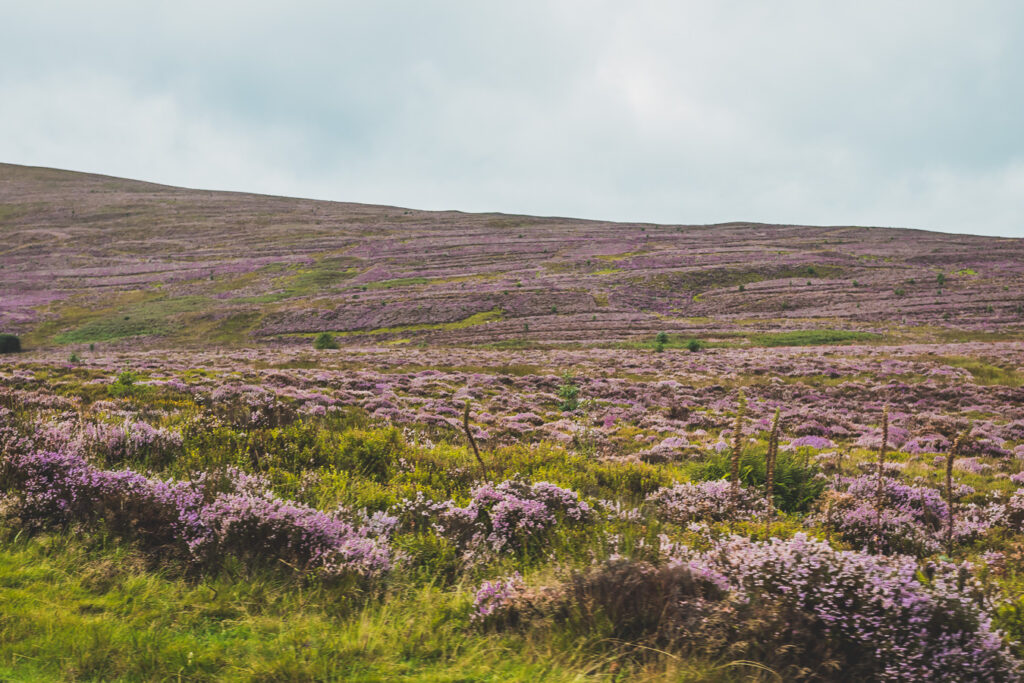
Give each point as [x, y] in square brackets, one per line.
[94, 610]
[564, 523]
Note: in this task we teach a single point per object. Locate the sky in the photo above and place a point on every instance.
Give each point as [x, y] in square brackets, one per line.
[894, 113]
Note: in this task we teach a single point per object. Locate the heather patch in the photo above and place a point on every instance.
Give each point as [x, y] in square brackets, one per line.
[190, 519]
[384, 485]
[803, 608]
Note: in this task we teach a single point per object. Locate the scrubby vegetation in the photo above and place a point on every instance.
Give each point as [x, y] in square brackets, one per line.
[9, 343]
[391, 444]
[311, 524]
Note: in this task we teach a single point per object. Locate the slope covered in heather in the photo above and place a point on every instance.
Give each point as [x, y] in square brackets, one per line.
[507, 472]
[93, 259]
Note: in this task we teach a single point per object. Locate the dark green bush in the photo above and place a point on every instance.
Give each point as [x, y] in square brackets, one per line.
[568, 393]
[124, 385]
[9, 343]
[324, 340]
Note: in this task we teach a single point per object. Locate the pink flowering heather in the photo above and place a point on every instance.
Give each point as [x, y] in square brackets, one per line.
[261, 528]
[711, 501]
[1012, 513]
[792, 604]
[888, 621]
[189, 518]
[506, 516]
[811, 441]
[912, 519]
[494, 596]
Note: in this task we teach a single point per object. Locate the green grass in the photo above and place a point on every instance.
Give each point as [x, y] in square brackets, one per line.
[983, 372]
[152, 317]
[812, 337]
[324, 275]
[11, 211]
[481, 318]
[93, 610]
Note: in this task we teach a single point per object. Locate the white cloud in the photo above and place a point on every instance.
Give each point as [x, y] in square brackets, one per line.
[877, 113]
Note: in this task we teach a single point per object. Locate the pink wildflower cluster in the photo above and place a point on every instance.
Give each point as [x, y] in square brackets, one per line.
[892, 623]
[907, 519]
[192, 519]
[495, 596]
[114, 442]
[499, 518]
[710, 501]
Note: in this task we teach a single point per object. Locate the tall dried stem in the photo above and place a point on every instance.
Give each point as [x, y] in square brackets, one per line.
[880, 490]
[737, 440]
[472, 441]
[769, 483]
[954, 449]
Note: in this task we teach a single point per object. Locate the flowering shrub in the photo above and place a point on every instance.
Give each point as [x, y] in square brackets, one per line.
[499, 518]
[506, 516]
[911, 519]
[797, 605]
[190, 518]
[713, 501]
[59, 489]
[884, 621]
[495, 597]
[263, 529]
[811, 441]
[130, 440]
[1012, 513]
[928, 443]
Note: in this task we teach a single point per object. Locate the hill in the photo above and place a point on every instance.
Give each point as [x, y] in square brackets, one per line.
[94, 259]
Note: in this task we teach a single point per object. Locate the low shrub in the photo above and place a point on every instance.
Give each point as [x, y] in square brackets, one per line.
[323, 341]
[708, 501]
[200, 522]
[798, 606]
[907, 519]
[9, 343]
[511, 516]
[568, 393]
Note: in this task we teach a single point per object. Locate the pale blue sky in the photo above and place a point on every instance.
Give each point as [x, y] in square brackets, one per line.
[869, 113]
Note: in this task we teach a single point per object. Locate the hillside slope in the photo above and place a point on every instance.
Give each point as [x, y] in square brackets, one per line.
[94, 259]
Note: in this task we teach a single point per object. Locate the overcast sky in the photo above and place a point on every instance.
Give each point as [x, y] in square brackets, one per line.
[868, 113]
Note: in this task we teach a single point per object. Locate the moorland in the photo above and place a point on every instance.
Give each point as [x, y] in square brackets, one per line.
[264, 438]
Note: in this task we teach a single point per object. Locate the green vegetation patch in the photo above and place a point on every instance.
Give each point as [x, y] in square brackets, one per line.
[813, 337]
[983, 372]
[322, 275]
[11, 211]
[147, 318]
[481, 318]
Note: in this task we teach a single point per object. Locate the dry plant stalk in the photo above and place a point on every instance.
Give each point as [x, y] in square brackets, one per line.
[954, 449]
[472, 441]
[769, 484]
[879, 492]
[737, 440]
